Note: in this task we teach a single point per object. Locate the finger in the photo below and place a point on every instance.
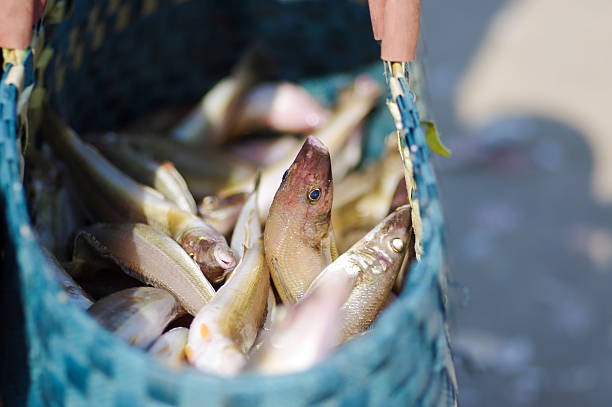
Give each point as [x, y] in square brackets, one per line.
[16, 21]
[401, 30]
[377, 11]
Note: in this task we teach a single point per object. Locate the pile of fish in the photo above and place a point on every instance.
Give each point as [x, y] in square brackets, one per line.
[231, 256]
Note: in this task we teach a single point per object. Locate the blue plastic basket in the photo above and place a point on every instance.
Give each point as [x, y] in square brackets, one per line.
[101, 72]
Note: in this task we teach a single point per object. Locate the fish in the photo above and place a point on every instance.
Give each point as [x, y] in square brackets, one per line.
[265, 151]
[248, 226]
[54, 212]
[137, 315]
[349, 156]
[206, 171]
[147, 255]
[111, 196]
[224, 330]
[272, 316]
[298, 237]
[370, 267]
[164, 177]
[75, 292]
[307, 334]
[400, 198]
[283, 107]
[354, 215]
[334, 134]
[359, 183]
[170, 347]
[222, 212]
[209, 122]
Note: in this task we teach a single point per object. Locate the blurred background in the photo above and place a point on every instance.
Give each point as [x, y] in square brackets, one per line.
[520, 91]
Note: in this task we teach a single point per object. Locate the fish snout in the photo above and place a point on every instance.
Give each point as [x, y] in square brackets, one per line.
[313, 143]
[224, 257]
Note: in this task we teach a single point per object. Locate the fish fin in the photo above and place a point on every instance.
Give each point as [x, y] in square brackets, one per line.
[283, 287]
[333, 248]
[154, 191]
[257, 180]
[329, 252]
[256, 189]
[247, 240]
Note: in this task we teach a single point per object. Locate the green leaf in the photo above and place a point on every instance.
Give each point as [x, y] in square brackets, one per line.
[433, 140]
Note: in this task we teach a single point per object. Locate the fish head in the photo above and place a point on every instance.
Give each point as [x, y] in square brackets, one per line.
[212, 204]
[392, 238]
[210, 351]
[306, 190]
[214, 257]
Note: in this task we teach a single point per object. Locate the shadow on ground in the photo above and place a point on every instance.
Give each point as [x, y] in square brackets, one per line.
[529, 246]
[531, 260]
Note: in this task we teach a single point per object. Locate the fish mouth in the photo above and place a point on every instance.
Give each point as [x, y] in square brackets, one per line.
[314, 143]
[224, 257]
[213, 256]
[221, 261]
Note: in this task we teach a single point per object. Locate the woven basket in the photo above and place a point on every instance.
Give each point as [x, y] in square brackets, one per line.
[88, 59]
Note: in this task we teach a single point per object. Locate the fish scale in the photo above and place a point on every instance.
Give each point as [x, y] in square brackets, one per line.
[291, 250]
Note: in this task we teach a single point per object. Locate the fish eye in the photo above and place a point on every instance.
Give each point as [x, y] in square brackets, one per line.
[313, 195]
[285, 174]
[397, 245]
[209, 200]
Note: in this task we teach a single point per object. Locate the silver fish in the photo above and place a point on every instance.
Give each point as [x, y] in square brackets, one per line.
[263, 152]
[334, 134]
[248, 227]
[224, 330]
[370, 266]
[164, 177]
[272, 316]
[170, 347]
[206, 171]
[283, 107]
[148, 255]
[352, 218]
[136, 315]
[76, 294]
[210, 121]
[55, 214]
[310, 330]
[221, 212]
[111, 196]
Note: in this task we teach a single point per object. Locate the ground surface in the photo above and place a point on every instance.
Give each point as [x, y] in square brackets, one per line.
[520, 90]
